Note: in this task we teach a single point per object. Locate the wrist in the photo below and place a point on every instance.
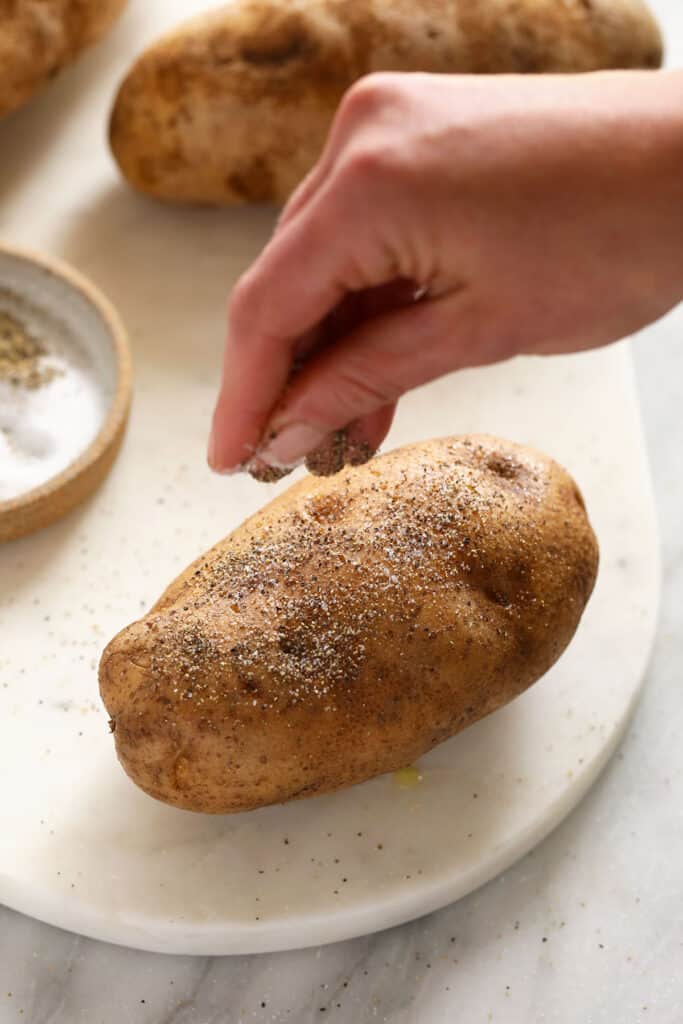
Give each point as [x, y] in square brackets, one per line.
[647, 153]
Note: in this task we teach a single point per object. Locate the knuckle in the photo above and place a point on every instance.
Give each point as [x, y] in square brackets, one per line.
[373, 390]
[369, 95]
[366, 162]
[373, 163]
[372, 130]
[351, 394]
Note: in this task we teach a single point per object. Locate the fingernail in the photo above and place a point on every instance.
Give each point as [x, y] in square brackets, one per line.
[290, 444]
[214, 462]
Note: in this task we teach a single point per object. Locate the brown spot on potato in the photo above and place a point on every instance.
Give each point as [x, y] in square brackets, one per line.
[171, 81]
[325, 507]
[497, 597]
[253, 181]
[275, 51]
[148, 173]
[182, 770]
[504, 465]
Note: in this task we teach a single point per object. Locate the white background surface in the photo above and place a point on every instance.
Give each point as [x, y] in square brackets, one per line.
[604, 891]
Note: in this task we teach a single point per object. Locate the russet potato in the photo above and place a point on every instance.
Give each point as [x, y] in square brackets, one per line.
[234, 106]
[40, 37]
[351, 625]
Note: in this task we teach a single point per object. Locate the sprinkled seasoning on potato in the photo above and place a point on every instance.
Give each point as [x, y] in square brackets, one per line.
[351, 625]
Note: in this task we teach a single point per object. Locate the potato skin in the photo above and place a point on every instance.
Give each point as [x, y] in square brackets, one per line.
[351, 625]
[235, 106]
[40, 37]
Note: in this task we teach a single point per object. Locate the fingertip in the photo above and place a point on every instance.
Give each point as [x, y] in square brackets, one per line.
[373, 428]
[223, 455]
[353, 446]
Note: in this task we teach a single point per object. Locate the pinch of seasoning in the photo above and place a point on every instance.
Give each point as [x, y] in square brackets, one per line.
[20, 356]
[266, 474]
[338, 451]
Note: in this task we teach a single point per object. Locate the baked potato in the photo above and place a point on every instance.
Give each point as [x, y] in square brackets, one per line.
[235, 106]
[40, 37]
[351, 625]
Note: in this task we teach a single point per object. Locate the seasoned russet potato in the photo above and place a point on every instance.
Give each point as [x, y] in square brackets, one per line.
[40, 37]
[352, 625]
[234, 106]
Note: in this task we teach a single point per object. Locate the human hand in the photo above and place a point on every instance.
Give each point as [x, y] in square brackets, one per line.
[451, 222]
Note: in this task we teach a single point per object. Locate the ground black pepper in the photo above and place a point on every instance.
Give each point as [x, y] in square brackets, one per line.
[21, 356]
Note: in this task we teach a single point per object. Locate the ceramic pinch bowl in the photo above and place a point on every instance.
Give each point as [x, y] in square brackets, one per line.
[65, 390]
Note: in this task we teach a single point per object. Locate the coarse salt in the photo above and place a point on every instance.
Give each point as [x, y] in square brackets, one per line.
[44, 429]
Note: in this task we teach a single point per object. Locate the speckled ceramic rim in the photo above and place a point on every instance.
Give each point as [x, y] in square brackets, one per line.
[48, 502]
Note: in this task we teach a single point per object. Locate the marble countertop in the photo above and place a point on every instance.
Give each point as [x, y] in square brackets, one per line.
[588, 928]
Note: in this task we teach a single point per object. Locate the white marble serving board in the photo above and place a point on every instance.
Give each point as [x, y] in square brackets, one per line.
[79, 845]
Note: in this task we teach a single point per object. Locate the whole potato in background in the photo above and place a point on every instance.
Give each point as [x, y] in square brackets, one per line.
[235, 106]
[40, 37]
[351, 625]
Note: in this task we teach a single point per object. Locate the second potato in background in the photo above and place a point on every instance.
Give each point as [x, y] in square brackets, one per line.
[234, 106]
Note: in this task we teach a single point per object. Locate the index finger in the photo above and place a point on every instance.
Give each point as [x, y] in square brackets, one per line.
[297, 281]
